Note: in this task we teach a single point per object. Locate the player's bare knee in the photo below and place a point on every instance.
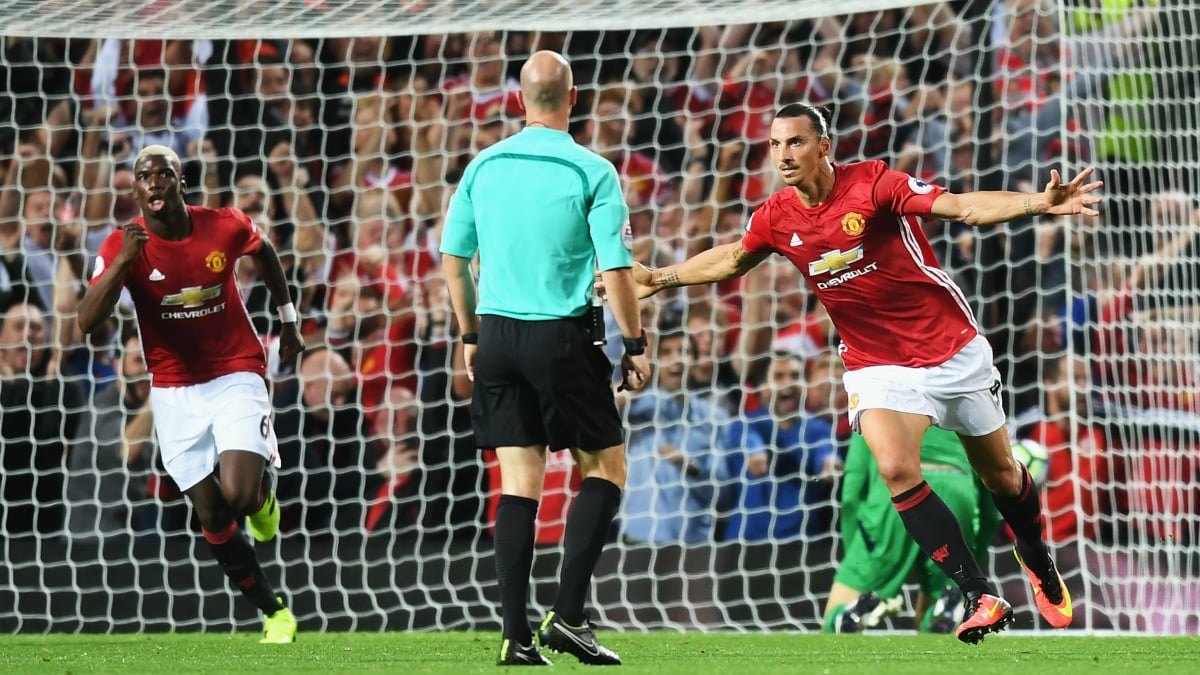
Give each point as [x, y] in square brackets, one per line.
[242, 501]
[900, 476]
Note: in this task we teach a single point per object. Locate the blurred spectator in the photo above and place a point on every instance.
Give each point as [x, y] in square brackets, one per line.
[609, 132]
[481, 94]
[105, 179]
[323, 447]
[111, 456]
[349, 68]
[785, 462]
[39, 415]
[1077, 485]
[1147, 356]
[397, 447]
[824, 395]
[713, 370]
[454, 488]
[254, 90]
[366, 260]
[657, 124]
[378, 158]
[149, 115]
[677, 447]
[24, 195]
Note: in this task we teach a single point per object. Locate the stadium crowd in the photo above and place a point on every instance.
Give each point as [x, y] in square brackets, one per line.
[344, 152]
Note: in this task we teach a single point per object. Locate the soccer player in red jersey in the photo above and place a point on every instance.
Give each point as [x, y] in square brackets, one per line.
[207, 365]
[912, 349]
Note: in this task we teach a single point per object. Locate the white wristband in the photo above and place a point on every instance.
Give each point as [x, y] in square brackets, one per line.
[287, 313]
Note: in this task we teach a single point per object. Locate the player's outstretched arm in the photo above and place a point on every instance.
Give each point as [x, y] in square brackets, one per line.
[716, 264]
[990, 207]
[102, 295]
[266, 263]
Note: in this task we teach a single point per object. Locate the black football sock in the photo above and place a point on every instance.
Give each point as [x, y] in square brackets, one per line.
[933, 526]
[586, 531]
[237, 559]
[514, 537]
[1023, 513]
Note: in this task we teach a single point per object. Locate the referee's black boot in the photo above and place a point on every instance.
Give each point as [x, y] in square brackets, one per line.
[578, 641]
[513, 654]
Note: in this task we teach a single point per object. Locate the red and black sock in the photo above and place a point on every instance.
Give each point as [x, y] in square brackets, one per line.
[935, 529]
[586, 531]
[513, 536]
[1023, 513]
[237, 559]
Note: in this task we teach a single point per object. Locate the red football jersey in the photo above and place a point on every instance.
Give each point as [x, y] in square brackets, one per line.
[193, 324]
[871, 265]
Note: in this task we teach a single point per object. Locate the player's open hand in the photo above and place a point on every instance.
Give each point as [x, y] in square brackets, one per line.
[643, 280]
[291, 345]
[1074, 197]
[134, 238]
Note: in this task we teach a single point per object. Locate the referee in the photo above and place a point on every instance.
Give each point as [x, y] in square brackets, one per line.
[541, 212]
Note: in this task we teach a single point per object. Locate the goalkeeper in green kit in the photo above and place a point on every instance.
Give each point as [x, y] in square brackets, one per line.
[879, 556]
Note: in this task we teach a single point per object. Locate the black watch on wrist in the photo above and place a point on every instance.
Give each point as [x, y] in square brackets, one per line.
[635, 346]
[470, 338]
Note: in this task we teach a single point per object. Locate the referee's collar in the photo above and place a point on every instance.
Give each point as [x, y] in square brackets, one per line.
[545, 131]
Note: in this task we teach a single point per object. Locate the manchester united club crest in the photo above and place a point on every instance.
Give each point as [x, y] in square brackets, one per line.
[853, 223]
[854, 401]
[215, 262]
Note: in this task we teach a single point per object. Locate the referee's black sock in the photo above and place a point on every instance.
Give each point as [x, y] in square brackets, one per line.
[935, 529]
[233, 551]
[586, 531]
[513, 536]
[1023, 513]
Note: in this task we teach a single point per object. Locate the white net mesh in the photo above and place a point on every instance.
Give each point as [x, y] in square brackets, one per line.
[350, 18]
[345, 147]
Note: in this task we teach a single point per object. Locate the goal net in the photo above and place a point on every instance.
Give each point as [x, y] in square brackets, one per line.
[342, 128]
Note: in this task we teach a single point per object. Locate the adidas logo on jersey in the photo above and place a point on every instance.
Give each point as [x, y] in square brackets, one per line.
[796, 241]
[156, 275]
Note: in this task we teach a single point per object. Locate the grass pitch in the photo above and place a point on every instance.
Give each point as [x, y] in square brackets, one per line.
[666, 653]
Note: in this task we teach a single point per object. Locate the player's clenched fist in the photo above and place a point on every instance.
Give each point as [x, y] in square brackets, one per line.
[291, 344]
[134, 240]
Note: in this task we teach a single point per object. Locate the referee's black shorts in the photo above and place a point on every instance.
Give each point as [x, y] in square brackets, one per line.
[542, 383]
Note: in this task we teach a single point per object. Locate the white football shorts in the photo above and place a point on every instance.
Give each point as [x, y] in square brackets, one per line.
[961, 395]
[196, 423]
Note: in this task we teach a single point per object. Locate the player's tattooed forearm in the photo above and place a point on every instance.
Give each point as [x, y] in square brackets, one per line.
[1029, 206]
[743, 260]
[668, 279]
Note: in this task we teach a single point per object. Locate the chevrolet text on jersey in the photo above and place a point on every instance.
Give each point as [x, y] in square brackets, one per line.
[847, 276]
[194, 313]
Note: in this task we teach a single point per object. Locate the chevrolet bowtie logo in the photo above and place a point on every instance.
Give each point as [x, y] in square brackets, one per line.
[192, 296]
[835, 261]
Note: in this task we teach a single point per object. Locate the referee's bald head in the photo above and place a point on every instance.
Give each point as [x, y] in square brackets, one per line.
[546, 81]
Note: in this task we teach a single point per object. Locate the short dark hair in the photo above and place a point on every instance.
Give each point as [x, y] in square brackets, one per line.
[818, 116]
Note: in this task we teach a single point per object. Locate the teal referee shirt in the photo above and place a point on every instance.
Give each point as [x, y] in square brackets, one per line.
[541, 211]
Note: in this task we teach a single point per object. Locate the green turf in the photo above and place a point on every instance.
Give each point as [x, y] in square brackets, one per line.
[690, 654]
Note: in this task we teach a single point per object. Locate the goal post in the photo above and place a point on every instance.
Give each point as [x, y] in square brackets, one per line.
[343, 128]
